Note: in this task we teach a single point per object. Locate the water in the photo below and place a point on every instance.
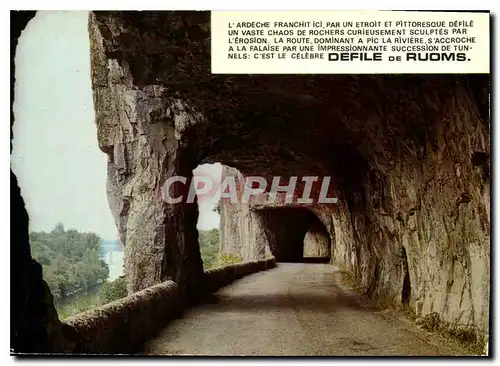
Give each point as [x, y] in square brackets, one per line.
[114, 259]
[112, 253]
[84, 301]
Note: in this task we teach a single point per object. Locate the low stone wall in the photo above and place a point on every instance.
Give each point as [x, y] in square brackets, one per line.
[222, 276]
[120, 326]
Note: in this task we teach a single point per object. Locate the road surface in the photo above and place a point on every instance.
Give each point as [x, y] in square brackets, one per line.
[294, 310]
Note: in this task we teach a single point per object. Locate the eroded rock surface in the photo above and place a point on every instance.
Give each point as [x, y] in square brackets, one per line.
[242, 231]
[316, 242]
[141, 130]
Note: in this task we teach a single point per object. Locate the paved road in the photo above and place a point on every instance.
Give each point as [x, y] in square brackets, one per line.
[294, 309]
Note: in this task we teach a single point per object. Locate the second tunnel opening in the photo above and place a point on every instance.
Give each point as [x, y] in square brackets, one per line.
[295, 234]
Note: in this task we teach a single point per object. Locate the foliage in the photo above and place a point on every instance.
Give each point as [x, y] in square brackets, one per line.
[113, 290]
[70, 261]
[430, 322]
[209, 247]
[109, 291]
[224, 259]
[73, 269]
[209, 250]
[78, 305]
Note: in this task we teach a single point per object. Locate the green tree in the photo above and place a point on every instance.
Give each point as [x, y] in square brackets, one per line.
[113, 290]
[209, 246]
[70, 260]
[226, 259]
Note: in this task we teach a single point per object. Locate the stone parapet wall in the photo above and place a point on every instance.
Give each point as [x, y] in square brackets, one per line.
[120, 326]
[222, 276]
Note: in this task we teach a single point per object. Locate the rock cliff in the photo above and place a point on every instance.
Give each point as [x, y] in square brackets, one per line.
[317, 242]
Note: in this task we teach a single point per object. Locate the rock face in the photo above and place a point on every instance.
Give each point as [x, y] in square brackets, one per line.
[141, 131]
[317, 243]
[242, 232]
[430, 200]
[35, 327]
[408, 155]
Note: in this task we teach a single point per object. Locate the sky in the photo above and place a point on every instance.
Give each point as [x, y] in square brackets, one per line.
[55, 156]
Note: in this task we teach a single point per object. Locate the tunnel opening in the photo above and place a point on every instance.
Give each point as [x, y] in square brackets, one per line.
[206, 178]
[406, 290]
[295, 234]
[72, 236]
[207, 184]
[317, 243]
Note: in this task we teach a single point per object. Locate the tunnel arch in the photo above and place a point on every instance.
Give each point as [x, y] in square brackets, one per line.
[317, 243]
[286, 229]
